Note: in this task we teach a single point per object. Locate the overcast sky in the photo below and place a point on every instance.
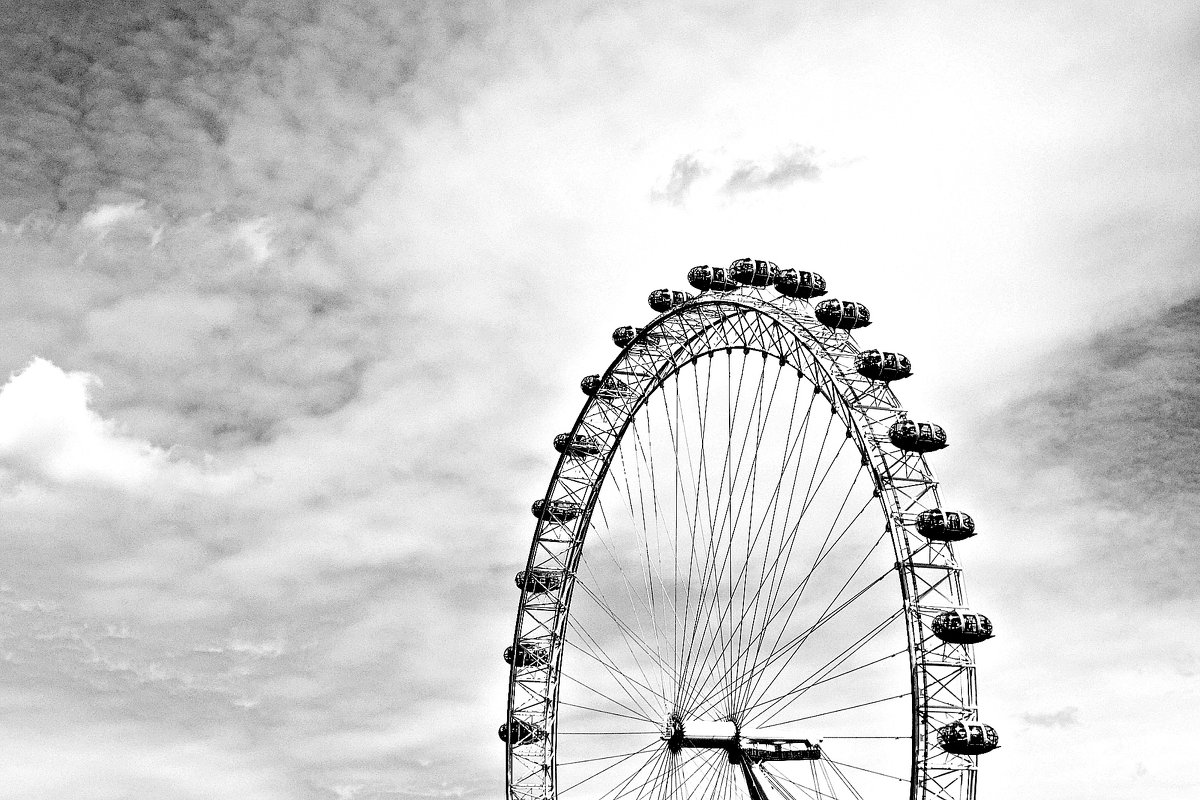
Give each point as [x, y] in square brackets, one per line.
[297, 294]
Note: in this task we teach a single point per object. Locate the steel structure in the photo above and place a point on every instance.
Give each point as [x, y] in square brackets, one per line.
[747, 483]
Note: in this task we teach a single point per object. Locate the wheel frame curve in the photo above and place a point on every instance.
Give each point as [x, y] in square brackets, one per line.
[942, 674]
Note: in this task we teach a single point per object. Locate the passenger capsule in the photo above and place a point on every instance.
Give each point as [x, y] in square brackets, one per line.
[665, 299]
[519, 732]
[594, 386]
[540, 580]
[753, 271]
[843, 314]
[624, 335]
[917, 437]
[968, 738]
[714, 279]
[962, 627]
[799, 284]
[570, 445]
[880, 366]
[556, 510]
[945, 526]
[527, 655]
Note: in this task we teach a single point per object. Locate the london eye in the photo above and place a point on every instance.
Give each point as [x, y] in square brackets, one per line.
[743, 579]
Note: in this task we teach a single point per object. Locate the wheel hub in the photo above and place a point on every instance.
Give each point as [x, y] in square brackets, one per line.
[741, 744]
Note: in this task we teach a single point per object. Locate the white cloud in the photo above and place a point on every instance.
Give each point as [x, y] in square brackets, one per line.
[103, 217]
[48, 434]
[105, 762]
[256, 236]
[397, 367]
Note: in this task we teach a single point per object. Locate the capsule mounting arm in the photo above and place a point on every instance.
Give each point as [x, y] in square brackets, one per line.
[753, 784]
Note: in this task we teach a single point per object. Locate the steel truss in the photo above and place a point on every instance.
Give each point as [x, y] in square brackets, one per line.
[943, 680]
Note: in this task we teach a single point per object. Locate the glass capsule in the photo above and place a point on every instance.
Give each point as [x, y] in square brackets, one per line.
[540, 580]
[945, 526]
[519, 732]
[799, 284]
[880, 366]
[962, 627]
[526, 655]
[624, 335]
[968, 738]
[753, 271]
[594, 386]
[917, 437]
[576, 445]
[711, 279]
[662, 300]
[556, 510]
[843, 315]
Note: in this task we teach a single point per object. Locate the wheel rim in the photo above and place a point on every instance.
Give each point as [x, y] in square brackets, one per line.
[743, 511]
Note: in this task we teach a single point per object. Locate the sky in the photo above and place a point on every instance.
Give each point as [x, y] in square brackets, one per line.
[297, 295]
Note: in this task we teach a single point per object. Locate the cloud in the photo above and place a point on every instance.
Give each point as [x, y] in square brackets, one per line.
[48, 433]
[181, 199]
[95, 760]
[101, 218]
[305, 240]
[686, 171]
[796, 164]
[207, 333]
[1063, 718]
[1083, 477]
[1119, 414]
[179, 181]
[242, 108]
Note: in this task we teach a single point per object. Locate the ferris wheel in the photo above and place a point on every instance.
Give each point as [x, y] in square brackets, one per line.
[742, 581]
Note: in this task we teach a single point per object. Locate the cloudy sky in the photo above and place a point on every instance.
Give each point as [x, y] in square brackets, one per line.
[297, 294]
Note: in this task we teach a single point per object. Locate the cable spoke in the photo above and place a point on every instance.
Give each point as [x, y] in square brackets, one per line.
[741, 564]
[610, 766]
